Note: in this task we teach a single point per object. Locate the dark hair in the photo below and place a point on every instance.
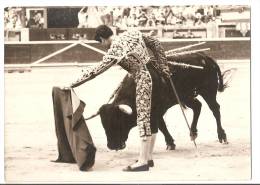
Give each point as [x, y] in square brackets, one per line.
[104, 32]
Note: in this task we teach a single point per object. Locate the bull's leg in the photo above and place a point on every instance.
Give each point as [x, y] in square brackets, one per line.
[215, 108]
[168, 138]
[195, 105]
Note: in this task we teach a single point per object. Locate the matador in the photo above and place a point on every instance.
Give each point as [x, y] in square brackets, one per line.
[130, 51]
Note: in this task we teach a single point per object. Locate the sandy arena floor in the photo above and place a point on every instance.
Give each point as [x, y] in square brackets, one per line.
[30, 140]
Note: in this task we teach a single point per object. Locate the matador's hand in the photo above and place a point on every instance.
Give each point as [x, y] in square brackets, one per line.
[166, 73]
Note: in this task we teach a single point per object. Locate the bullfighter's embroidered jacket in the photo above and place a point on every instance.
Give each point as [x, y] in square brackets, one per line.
[132, 41]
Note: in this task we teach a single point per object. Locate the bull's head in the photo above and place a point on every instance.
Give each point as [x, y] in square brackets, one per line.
[117, 123]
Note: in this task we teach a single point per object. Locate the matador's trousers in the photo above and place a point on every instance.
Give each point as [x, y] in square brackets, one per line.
[143, 82]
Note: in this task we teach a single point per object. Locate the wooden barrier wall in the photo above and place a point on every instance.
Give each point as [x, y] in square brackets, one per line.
[26, 53]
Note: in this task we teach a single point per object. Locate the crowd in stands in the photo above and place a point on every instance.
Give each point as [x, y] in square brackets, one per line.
[141, 16]
[12, 18]
[36, 20]
[15, 19]
[122, 17]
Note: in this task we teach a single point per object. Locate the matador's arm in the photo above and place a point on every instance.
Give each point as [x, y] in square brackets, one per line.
[114, 55]
[161, 61]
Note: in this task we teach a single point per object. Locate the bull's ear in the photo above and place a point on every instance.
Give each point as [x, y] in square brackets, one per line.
[125, 108]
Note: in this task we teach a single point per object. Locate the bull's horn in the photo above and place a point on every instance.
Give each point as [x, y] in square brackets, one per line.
[92, 116]
[125, 108]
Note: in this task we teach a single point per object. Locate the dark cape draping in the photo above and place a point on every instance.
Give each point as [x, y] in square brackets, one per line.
[75, 143]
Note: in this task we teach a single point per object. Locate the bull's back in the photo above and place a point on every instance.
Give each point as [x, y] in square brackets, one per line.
[188, 79]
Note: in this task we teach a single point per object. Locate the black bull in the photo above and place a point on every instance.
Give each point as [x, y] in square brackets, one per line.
[189, 83]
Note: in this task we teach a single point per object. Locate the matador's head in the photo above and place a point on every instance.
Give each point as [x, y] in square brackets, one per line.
[104, 35]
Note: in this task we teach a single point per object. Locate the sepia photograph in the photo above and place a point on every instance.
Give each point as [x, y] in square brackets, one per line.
[127, 93]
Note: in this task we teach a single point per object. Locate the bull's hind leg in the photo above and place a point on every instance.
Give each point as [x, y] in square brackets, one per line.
[168, 138]
[215, 108]
[195, 105]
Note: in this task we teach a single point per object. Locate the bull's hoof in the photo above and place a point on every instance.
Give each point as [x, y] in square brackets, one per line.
[225, 142]
[222, 137]
[171, 146]
[193, 135]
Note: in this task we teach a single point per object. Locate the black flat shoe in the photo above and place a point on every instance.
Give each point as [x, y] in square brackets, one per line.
[144, 167]
[149, 162]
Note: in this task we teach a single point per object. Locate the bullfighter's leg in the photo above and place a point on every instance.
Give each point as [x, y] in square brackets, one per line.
[143, 108]
[150, 155]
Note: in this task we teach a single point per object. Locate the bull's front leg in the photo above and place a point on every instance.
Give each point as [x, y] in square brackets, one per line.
[195, 105]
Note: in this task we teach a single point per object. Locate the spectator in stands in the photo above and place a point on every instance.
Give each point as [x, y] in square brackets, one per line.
[180, 18]
[198, 19]
[107, 16]
[169, 16]
[31, 23]
[135, 10]
[190, 20]
[142, 19]
[161, 19]
[39, 20]
[124, 22]
[209, 11]
[35, 21]
[16, 22]
[118, 21]
[189, 11]
[127, 12]
[176, 35]
[200, 10]
[8, 24]
[151, 20]
[206, 18]
[172, 20]
[6, 18]
[212, 28]
[189, 34]
[82, 17]
[94, 14]
[133, 21]
[216, 11]
[117, 11]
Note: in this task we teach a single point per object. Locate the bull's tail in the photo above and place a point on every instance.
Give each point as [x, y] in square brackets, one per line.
[224, 78]
[227, 76]
[221, 85]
